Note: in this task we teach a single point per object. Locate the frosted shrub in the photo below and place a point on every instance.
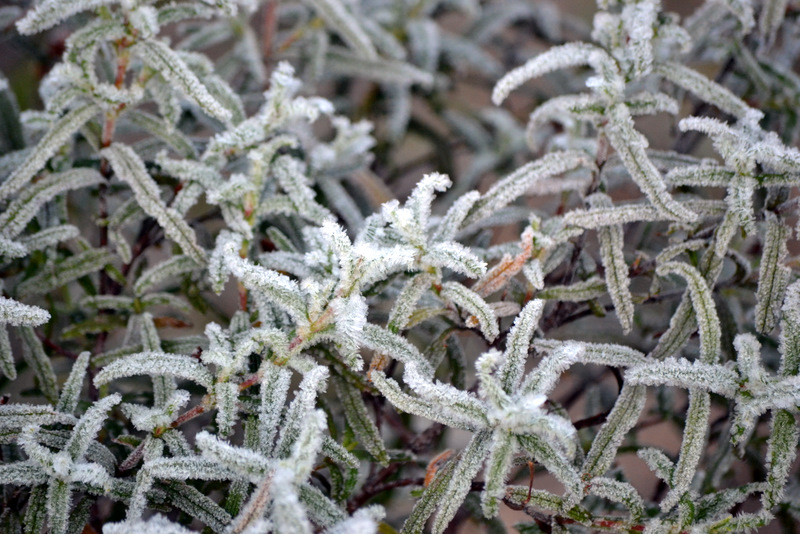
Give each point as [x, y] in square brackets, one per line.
[216, 316]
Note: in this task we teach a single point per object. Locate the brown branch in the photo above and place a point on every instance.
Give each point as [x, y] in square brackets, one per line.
[52, 345]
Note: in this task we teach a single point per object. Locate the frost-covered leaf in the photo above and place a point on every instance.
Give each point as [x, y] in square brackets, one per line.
[707, 90]
[162, 59]
[692, 446]
[14, 417]
[616, 270]
[518, 345]
[24, 208]
[773, 275]
[54, 276]
[18, 314]
[50, 12]
[456, 257]
[6, 356]
[558, 57]
[621, 492]
[782, 450]
[473, 303]
[623, 416]
[49, 237]
[704, 309]
[469, 463]
[155, 364]
[157, 524]
[658, 462]
[129, 167]
[685, 374]
[337, 15]
[88, 426]
[632, 149]
[790, 332]
[70, 392]
[393, 345]
[382, 70]
[517, 183]
[498, 463]
[240, 461]
[60, 132]
[360, 421]
[36, 358]
[422, 407]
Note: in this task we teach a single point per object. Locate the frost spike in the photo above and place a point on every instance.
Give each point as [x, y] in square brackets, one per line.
[62, 130]
[129, 167]
[773, 275]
